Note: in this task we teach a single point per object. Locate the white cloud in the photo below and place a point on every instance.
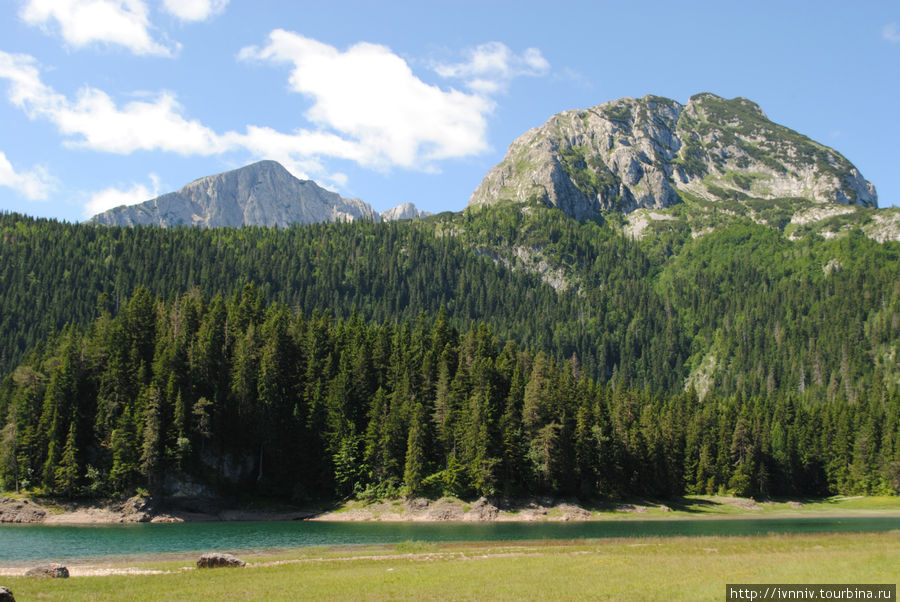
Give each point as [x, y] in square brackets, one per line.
[490, 67]
[891, 33]
[115, 197]
[371, 108]
[195, 10]
[367, 107]
[25, 80]
[84, 22]
[97, 123]
[94, 121]
[34, 184]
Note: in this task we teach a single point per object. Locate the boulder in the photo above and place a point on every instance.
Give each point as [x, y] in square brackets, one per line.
[213, 560]
[482, 510]
[48, 571]
[6, 595]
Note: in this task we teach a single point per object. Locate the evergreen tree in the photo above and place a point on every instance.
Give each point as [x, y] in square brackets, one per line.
[67, 472]
[414, 468]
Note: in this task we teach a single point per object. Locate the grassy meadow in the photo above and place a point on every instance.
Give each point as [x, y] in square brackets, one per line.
[631, 569]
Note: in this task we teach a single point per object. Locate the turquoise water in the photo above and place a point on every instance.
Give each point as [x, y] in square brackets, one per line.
[26, 543]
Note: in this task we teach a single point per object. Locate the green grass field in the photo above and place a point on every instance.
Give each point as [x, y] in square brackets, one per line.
[705, 506]
[621, 569]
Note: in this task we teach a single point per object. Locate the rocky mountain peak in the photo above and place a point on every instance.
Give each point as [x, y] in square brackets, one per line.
[260, 194]
[404, 211]
[707, 102]
[653, 152]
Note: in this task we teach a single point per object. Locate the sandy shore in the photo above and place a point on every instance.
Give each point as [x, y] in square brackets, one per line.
[89, 571]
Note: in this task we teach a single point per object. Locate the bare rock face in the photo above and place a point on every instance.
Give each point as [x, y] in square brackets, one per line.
[20, 511]
[404, 211]
[6, 595]
[213, 560]
[444, 510]
[261, 194]
[48, 571]
[482, 510]
[632, 153]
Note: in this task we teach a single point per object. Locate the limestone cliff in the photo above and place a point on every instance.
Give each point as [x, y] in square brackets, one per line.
[404, 211]
[651, 153]
[261, 194]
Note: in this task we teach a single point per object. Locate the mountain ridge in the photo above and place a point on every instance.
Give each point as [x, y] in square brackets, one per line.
[260, 194]
[654, 152]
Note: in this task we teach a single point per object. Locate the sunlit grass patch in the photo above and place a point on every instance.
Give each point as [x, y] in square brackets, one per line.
[651, 568]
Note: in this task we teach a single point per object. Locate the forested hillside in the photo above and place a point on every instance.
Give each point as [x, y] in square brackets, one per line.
[239, 396]
[739, 309]
[54, 273]
[365, 358]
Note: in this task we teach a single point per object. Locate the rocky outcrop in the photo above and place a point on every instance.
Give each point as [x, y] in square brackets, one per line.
[261, 194]
[652, 152]
[214, 560]
[48, 571]
[20, 511]
[482, 510]
[404, 211]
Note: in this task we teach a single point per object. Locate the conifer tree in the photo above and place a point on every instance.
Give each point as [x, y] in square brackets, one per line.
[67, 472]
[414, 467]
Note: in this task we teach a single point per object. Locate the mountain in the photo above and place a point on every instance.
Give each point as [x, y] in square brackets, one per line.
[742, 336]
[260, 194]
[404, 211]
[653, 153]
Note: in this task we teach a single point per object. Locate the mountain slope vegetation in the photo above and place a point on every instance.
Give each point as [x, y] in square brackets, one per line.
[371, 359]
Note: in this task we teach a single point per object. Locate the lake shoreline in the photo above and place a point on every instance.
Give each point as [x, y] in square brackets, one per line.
[417, 555]
[143, 510]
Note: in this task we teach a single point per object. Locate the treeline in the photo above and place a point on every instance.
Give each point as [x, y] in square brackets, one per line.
[241, 395]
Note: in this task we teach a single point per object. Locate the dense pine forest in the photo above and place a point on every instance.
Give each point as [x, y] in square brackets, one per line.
[54, 273]
[305, 406]
[495, 352]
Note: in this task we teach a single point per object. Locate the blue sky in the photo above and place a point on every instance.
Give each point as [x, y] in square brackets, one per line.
[104, 102]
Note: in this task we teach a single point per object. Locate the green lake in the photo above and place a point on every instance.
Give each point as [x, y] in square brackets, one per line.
[27, 543]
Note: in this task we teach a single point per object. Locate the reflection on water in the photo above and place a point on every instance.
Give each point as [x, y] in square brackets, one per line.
[30, 542]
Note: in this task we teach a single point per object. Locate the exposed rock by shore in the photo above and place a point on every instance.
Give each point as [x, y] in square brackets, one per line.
[48, 571]
[137, 509]
[20, 511]
[134, 510]
[450, 509]
[209, 509]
